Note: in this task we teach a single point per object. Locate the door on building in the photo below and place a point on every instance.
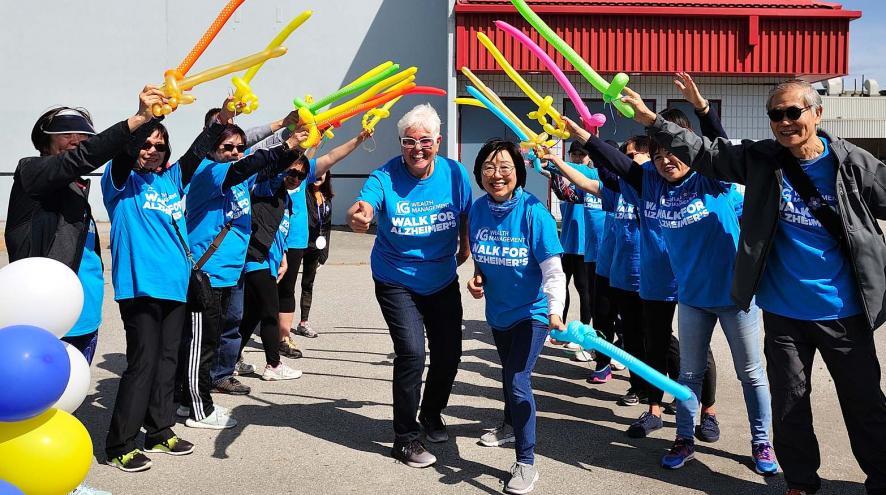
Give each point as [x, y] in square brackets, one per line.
[478, 125]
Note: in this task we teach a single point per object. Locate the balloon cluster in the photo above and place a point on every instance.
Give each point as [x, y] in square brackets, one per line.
[45, 380]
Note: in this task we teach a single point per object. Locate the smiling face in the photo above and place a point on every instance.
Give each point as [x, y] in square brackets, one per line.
[794, 134]
[151, 155]
[59, 143]
[499, 175]
[419, 157]
[669, 166]
[231, 149]
[295, 175]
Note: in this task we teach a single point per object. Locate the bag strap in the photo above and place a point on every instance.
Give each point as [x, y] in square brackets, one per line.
[209, 251]
[184, 244]
[820, 209]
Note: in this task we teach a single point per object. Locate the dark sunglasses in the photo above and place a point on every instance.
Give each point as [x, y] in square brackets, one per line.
[160, 147]
[296, 174]
[231, 147]
[792, 113]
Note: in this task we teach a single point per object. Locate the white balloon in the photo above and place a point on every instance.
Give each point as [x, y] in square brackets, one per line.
[41, 292]
[78, 383]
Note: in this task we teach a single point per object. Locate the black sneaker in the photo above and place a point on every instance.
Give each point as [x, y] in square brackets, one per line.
[232, 386]
[647, 423]
[132, 462]
[709, 429]
[631, 398]
[413, 454]
[290, 350]
[670, 407]
[435, 428]
[173, 446]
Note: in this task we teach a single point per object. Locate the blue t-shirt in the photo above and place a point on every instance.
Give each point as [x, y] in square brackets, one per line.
[572, 220]
[594, 218]
[699, 224]
[91, 277]
[209, 208]
[624, 273]
[606, 246]
[147, 257]
[509, 252]
[418, 223]
[807, 276]
[298, 232]
[657, 281]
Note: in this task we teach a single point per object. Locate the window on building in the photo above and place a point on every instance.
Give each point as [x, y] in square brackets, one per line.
[618, 129]
[689, 110]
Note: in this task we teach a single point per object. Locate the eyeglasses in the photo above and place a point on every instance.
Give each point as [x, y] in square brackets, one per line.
[503, 170]
[160, 147]
[296, 174]
[409, 143]
[792, 113]
[231, 147]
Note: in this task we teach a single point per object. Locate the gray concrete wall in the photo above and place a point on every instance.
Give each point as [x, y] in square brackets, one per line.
[99, 53]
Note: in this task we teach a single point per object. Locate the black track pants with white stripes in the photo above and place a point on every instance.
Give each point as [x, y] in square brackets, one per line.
[198, 348]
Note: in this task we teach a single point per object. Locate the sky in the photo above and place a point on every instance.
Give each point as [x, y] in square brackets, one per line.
[867, 47]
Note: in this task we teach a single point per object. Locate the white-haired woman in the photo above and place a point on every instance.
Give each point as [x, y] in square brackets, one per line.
[812, 253]
[421, 200]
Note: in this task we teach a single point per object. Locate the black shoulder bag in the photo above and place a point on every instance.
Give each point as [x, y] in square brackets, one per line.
[820, 209]
[199, 286]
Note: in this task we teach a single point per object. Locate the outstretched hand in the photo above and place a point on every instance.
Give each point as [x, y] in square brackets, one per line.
[642, 114]
[690, 91]
[360, 217]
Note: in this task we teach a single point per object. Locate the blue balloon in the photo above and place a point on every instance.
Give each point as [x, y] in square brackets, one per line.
[35, 368]
[7, 488]
[536, 163]
[587, 338]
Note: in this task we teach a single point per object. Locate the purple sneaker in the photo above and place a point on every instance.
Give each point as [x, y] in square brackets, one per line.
[601, 376]
[764, 459]
[682, 451]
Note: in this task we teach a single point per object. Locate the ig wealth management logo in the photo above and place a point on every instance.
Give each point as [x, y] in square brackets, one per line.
[403, 208]
[483, 234]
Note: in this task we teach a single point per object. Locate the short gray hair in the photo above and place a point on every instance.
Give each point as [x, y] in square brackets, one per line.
[420, 117]
[811, 98]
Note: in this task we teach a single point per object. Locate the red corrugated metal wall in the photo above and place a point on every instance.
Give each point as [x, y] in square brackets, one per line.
[664, 44]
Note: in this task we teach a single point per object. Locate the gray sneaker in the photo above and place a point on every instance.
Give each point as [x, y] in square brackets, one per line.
[305, 330]
[500, 435]
[242, 368]
[523, 478]
[413, 454]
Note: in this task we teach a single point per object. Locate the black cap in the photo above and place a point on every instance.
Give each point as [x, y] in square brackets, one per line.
[576, 146]
[69, 121]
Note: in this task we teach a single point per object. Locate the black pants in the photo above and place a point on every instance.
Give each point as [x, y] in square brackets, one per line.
[604, 315]
[663, 350]
[310, 263]
[145, 394]
[630, 309]
[260, 308]
[286, 287]
[409, 316]
[847, 348]
[574, 268]
[198, 354]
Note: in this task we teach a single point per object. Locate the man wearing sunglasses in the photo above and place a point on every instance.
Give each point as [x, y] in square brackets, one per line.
[812, 254]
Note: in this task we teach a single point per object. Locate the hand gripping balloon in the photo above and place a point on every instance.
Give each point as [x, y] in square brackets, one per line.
[375, 75]
[383, 99]
[545, 105]
[244, 99]
[589, 122]
[171, 76]
[175, 87]
[611, 92]
[586, 337]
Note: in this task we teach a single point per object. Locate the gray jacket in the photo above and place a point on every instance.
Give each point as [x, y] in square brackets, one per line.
[861, 197]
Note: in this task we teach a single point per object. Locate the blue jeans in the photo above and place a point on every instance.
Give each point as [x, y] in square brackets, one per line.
[518, 348]
[86, 344]
[742, 331]
[229, 340]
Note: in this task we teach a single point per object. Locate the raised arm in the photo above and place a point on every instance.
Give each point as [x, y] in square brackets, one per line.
[276, 159]
[338, 153]
[124, 162]
[584, 183]
[257, 134]
[711, 127]
[608, 159]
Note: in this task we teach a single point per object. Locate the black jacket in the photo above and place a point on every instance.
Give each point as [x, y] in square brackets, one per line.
[49, 213]
[319, 223]
[861, 201]
[267, 213]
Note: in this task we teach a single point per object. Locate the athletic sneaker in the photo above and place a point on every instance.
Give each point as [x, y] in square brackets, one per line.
[709, 429]
[132, 462]
[242, 368]
[218, 420]
[682, 451]
[670, 407]
[523, 478]
[583, 356]
[601, 376]
[85, 489]
[231, 386]
[281, 372]
[305, 330]
[289, 349]
[413, 454]
[500, 435]
[764, 459]
[632, 398]
[616, 365]
[185, 411]
[173, 446]
[572, 347]
[434, 427]
[647, 423]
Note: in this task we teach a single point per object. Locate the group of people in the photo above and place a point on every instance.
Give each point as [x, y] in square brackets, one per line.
[667, 223]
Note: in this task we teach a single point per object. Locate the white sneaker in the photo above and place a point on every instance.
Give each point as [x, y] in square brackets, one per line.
[84, 489]
[572, 346]
[242, 368]
[616, 366]
[218, 420]
[185, 411]
[281, 372]
[583, 356]
[499, 435]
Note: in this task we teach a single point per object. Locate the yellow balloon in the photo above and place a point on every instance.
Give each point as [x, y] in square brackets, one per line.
[225, 69]
[403, 77]
[48, 454]
[372, 73]
[488, 93]
[469, 101]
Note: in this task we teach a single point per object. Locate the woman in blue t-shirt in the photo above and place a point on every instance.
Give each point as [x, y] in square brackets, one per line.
[699, 216]
[517, 267]
[421, 201]
[219, 214]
